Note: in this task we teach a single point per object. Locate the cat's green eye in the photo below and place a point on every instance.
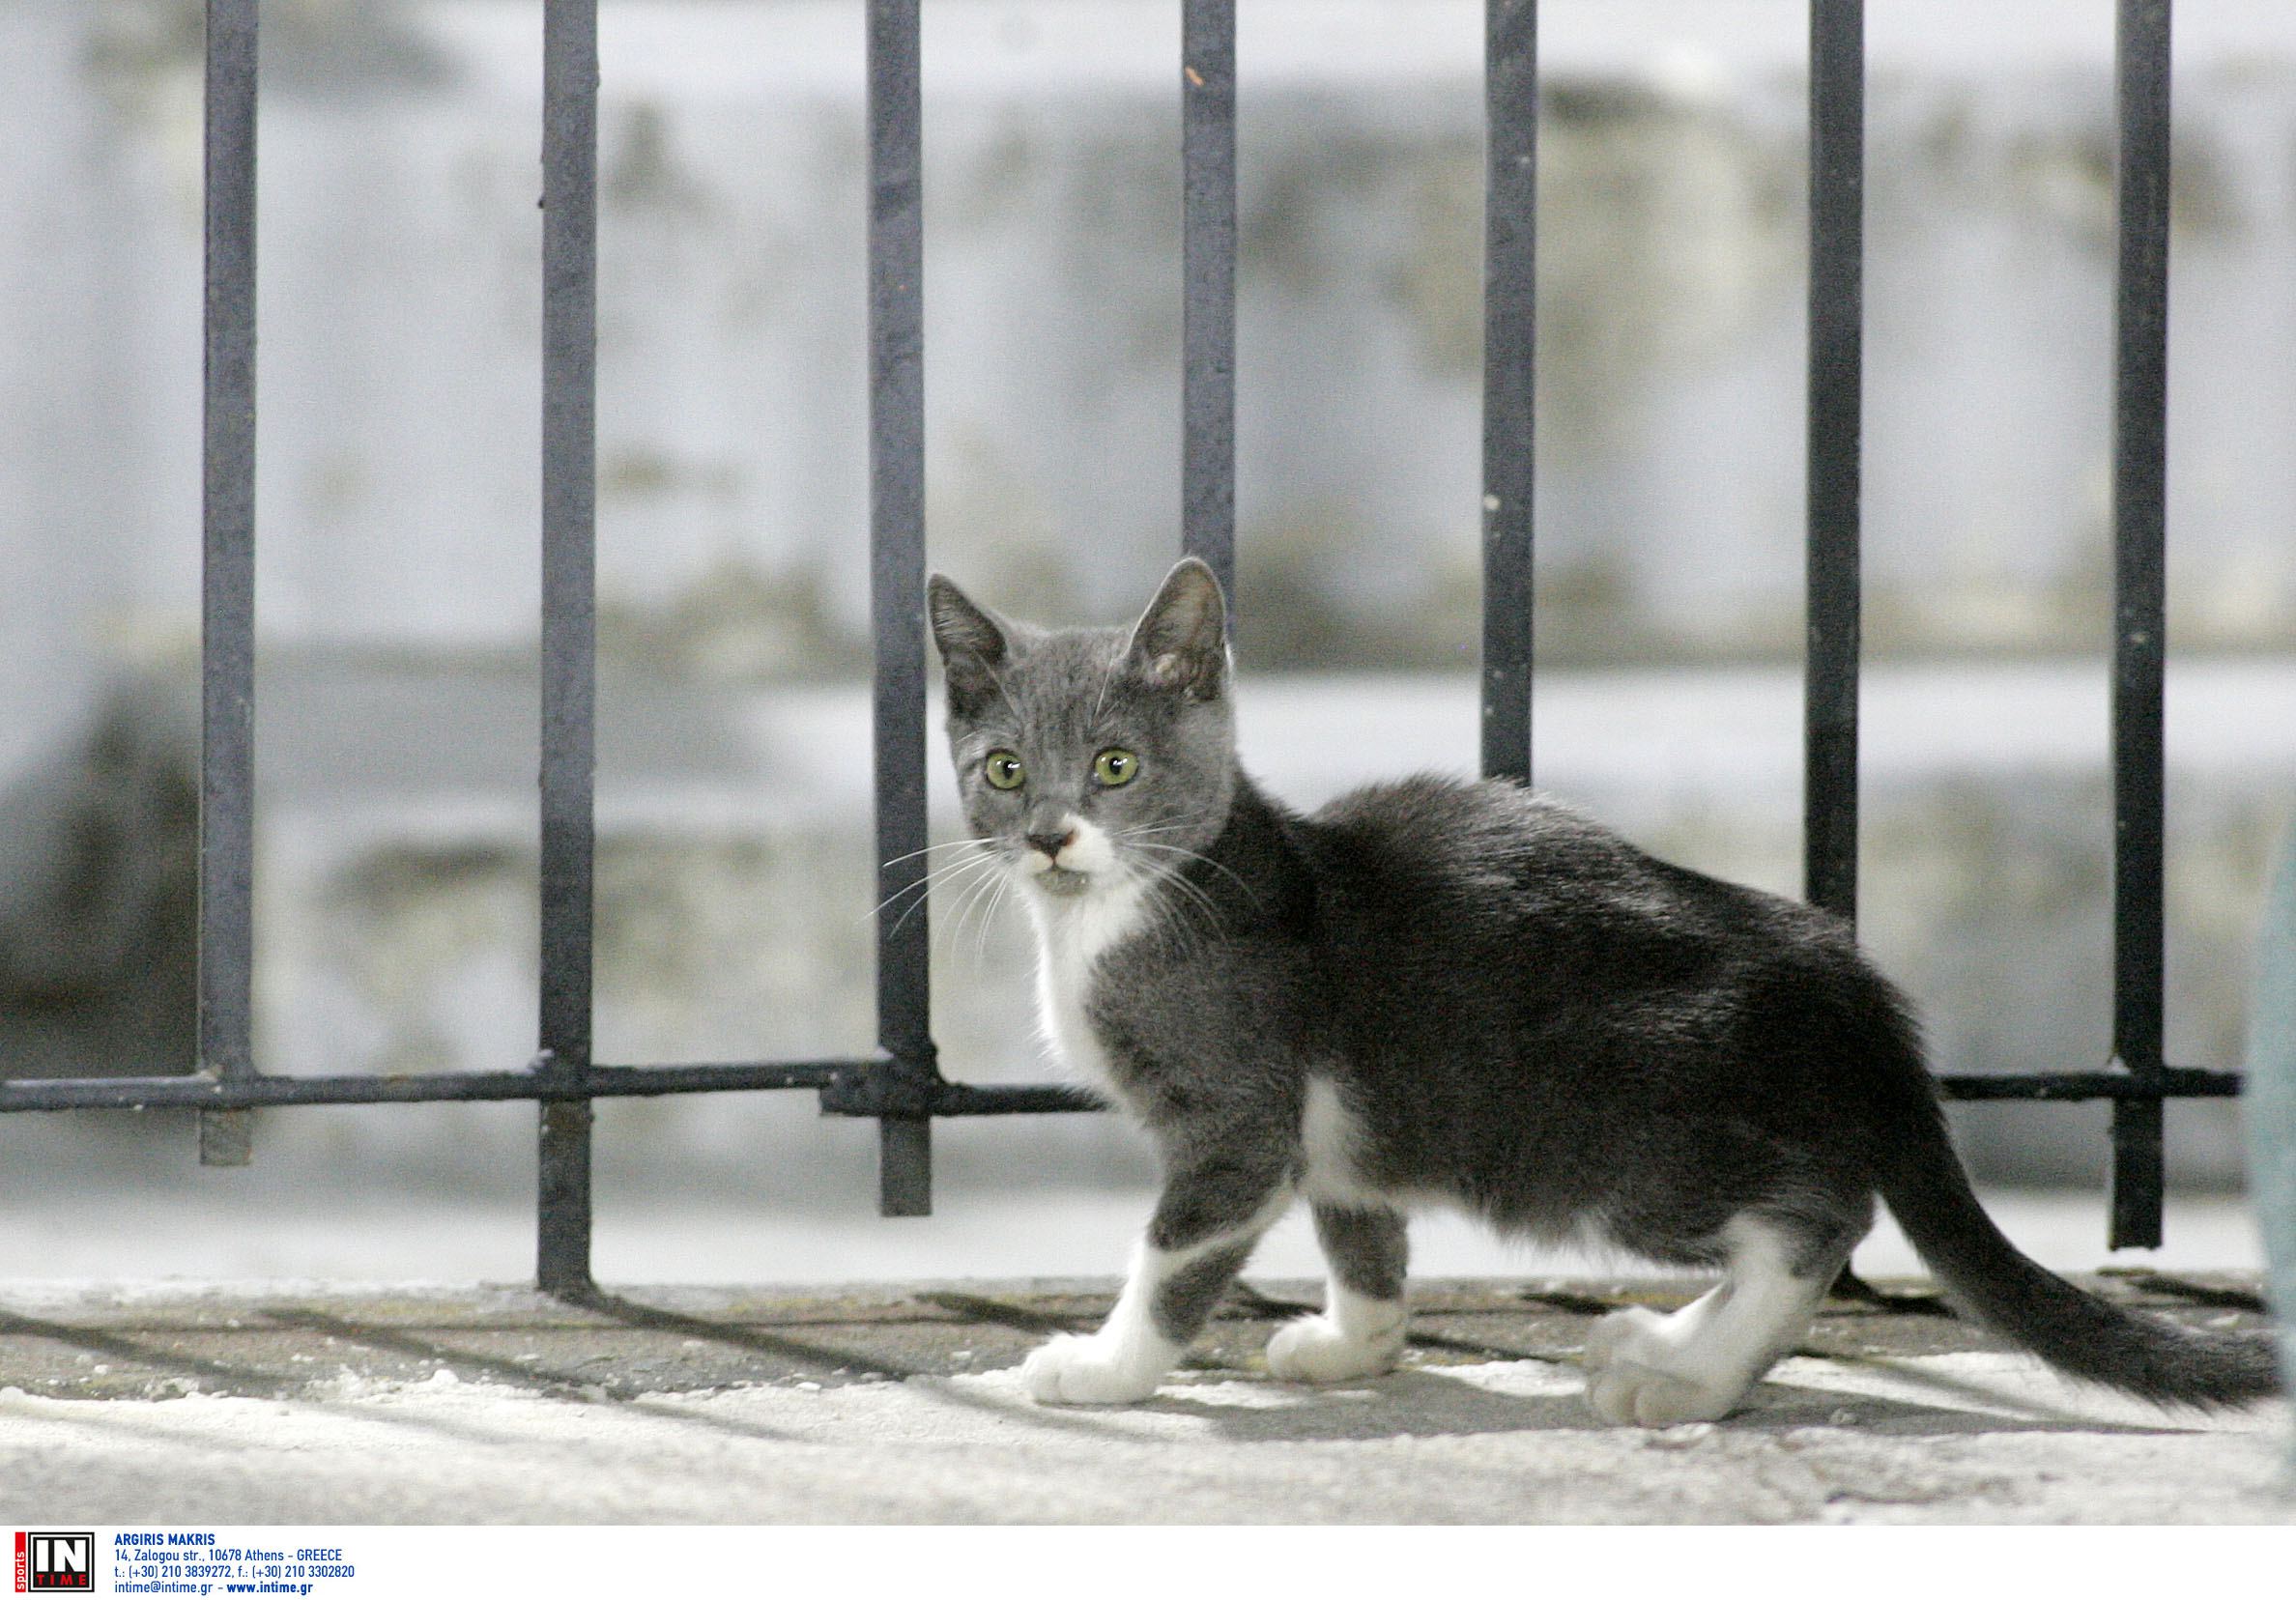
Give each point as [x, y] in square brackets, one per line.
[1115, 766]
[1003, 770]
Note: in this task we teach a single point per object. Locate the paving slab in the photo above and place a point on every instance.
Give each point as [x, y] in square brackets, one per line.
[314, 1402]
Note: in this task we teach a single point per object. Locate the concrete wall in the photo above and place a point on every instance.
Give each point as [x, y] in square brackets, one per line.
[399, 244]
[397, 501]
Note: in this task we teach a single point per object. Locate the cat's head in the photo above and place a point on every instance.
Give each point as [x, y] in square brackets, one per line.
[1091, 759]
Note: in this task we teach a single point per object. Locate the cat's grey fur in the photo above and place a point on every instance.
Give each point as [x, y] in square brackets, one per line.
[1435, 992]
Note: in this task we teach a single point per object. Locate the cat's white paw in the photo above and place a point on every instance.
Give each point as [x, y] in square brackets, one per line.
[1634, 1333]
[1637, 1375]
[1636, 1396]
[1086, 1369]
[1312, 1350]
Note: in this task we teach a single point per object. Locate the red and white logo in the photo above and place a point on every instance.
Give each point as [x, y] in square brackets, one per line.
[49, 1562]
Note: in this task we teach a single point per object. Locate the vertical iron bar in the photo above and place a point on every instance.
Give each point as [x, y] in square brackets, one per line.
[1511, 303]
[1208, 268]
[227, 608]
[897, 594]
[570, 604]
[2139, 514]
[1836, 324]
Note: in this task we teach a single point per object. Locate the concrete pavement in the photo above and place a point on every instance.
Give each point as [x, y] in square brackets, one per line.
[287, 1403]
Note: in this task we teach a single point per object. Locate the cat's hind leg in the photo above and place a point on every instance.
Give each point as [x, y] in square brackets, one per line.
[1694, 1365]
[1205, 1227]
[1359, 1332]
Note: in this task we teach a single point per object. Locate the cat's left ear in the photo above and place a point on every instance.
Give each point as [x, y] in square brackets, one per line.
[1181, 640]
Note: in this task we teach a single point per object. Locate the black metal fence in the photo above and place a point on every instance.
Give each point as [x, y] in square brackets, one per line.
[900, 1085]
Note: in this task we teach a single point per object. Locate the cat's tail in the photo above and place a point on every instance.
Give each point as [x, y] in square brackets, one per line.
[1928, 1191]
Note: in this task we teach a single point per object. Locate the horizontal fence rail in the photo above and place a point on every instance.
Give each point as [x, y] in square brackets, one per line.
[840, 1081]
[901, 1084]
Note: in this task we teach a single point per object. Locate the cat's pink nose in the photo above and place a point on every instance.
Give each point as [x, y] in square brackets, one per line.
[1052, 843]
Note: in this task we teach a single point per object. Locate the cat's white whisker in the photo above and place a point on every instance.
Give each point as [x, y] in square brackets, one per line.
[1000, 886]
[1187, 819]
[946, 877]
[922, 885]
[1196, 855]
[985, 888]
[1190, 924]
[1192, 897]
[947, 844]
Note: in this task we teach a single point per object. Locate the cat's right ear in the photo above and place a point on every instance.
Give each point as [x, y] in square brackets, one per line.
[973, 648]
[1181, 640]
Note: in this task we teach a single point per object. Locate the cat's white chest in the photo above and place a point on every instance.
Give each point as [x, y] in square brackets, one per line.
[1071, 939]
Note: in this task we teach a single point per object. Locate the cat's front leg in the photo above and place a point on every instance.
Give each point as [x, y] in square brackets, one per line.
[1359, 1332]
[1203, 1231]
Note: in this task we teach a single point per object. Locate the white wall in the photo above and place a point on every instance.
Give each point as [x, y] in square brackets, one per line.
[398, 446]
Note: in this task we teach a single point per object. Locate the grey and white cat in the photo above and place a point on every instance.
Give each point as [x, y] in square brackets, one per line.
[1440, 992]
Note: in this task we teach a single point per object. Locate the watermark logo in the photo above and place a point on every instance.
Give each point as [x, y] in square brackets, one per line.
[48, 1563]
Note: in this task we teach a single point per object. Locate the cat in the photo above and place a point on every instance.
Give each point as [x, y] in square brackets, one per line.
[1440, 992]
